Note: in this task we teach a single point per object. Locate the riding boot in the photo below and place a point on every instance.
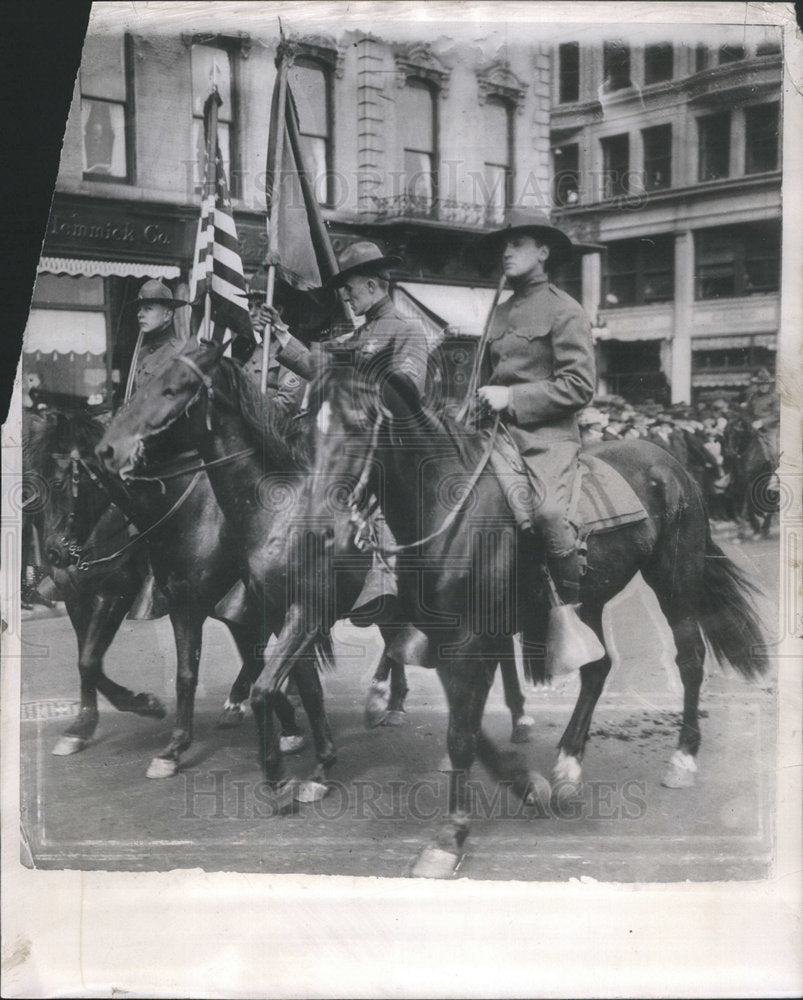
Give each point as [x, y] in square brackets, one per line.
[571, 644]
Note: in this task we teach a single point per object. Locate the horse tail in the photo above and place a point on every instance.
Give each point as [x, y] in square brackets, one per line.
[727, 613]
[324, 652]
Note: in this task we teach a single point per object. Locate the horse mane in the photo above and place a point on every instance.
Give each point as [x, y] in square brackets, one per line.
[439, 426]
[269, 426]
[57, 432]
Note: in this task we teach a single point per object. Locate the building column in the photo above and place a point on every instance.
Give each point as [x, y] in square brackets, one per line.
[591, 284]
[680, 375]
[738, 142]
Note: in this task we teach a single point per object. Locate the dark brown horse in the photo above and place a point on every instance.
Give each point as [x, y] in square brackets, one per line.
[468, 585]
[98, 573]
[750, 458]
[257, 461]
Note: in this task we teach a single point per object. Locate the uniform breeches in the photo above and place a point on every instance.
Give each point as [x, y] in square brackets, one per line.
[552, 468]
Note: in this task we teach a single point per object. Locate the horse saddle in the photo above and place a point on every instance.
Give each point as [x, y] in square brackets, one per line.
[601, 498]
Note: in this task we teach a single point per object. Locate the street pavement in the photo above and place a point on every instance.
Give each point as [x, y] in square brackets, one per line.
[97, 810]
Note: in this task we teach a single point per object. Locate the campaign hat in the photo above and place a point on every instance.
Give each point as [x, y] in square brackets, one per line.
[362, 257]
[156, 293]
[530, 222]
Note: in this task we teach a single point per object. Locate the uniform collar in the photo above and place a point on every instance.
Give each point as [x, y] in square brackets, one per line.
[530, 286]
[379, 309]
[159, 338]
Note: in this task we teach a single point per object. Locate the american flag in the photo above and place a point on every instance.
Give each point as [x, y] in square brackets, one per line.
[217, 268]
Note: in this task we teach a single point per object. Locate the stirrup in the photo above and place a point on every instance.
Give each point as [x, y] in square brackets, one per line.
[570, 643]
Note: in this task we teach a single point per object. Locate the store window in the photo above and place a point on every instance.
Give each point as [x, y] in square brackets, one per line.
[615, 66]
[107, 147]
[639, 272]
[738, 260]
[417, 122]
[762, 133]
[569, 277]
[212, 67]
[713, 139]
[311, 84]
[498, 162]
[566, 171]
[65, 344]
[658, 63]
[568, 72]
[657, 157]
[730, 53]
[700, 58]
[615, 165]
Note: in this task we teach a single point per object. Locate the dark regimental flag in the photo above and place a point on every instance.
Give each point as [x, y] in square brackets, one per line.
[217, 287]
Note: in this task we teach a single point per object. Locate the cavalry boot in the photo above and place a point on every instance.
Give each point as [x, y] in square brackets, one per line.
[571, 644]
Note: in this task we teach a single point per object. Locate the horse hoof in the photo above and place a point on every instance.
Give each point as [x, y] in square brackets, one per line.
[445, 765]
[396, 717]
[376, 705]
[522, 730]
[150, 707]
[231, 717]
[292, 744]
[682, 771]
[66, 746]
[310, 791]
[162, 767]
[435, 862]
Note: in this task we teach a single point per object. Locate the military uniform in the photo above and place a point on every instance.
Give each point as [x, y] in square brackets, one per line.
[155, 354]
[540, 346]
[383, 327]
[283, 386]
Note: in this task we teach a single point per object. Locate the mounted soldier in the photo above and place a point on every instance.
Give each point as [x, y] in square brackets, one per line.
[763, 411]
[542, 374]
[158, 340]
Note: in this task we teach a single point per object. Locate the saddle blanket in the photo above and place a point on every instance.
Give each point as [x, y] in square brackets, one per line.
[601, 500]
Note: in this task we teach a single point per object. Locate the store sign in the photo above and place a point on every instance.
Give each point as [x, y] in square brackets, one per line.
[117, 231]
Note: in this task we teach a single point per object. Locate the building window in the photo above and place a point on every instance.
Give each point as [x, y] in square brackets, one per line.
[658, 63]
[738, 260]
[498, 138]
[615, 66]
[615, 165]
[761, 138]
[311, 85]
[566, 171]
[770, 47]
[65, 345]
[211, 67]
[569, 72]
[418, 129]
[639, 272]
[700, 58]
[714, 140]
[657, 157]
[730, 53]
[106, 109]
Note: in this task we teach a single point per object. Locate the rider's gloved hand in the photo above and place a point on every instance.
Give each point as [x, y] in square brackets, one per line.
[270, 314]
[495, 397]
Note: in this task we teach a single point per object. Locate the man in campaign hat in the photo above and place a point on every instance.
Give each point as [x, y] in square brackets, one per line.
[542, 374]
[158, 340]
[364, 278]
[763, 409]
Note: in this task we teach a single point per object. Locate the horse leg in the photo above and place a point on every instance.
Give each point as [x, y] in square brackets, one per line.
[251, 648]
[690, 657]
[187, 624]
[386, 696]
[567, 772]
[514, 699]
[310, 691]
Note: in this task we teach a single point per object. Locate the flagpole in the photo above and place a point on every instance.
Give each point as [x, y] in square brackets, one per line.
[274, 210]
[210, 191]
[473, 382]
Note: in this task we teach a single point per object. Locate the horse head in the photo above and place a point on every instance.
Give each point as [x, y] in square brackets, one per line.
[184, 387]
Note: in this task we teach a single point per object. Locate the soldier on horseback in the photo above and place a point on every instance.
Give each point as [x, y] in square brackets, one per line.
[542, 374]
[761, 403]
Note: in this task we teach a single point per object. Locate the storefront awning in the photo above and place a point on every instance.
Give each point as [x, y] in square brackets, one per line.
[464, 309]
[729, 342]
[606, 333]
[106, 268]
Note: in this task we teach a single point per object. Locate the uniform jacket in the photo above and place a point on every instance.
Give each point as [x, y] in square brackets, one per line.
[540, 346]
[763, 405]
[155, 352]
[383, 326]
[284, 387]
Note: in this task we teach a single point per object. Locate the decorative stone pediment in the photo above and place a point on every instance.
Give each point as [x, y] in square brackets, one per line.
[323, 48]
[418, 61]
[499, 80]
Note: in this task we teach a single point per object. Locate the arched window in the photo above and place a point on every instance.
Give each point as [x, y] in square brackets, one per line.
[497, 138]
[311, 84]
[417, 123]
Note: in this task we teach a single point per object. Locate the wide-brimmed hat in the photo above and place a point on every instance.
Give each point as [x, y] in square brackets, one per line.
[362, 257]
[531, 222]
[156, 293]
[761, 376]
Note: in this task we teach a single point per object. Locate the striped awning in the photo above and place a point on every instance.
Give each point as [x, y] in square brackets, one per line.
[732, 341]
[724, 379]
[106, 268]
